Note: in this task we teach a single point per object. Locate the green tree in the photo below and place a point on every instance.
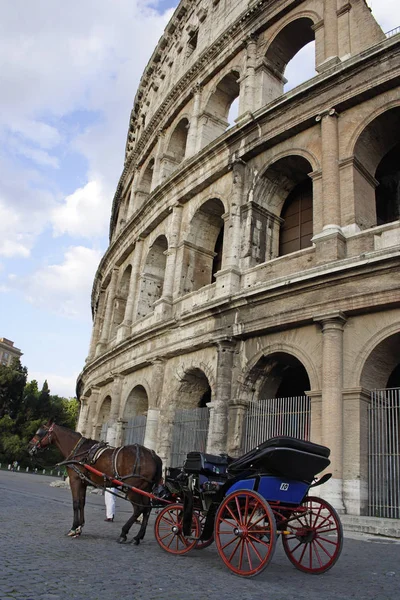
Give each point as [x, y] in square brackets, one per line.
[12, 383]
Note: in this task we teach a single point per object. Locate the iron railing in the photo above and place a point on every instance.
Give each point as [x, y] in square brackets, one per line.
[189, 433]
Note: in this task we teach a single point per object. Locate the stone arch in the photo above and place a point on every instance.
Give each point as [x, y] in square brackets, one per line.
[120, 300]
[194, 389]
[136, 403]
[146, 183]
[282, 207]
[376, 174]
[102, 418]
[274, 352]
[206, 368]
[377, 359]
[176, 147]
[214, 120]
[293, 34]
[203, 247]
[152, 279]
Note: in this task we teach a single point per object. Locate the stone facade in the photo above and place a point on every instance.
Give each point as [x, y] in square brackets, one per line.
[258, 260]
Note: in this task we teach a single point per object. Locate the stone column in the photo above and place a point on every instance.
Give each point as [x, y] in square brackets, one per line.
[355, 450]
[236, 419]
[344, 35]
[330, 242]
[115, 408]
[132, 197]
[96, 328]
[92, 416]
[130, 312]
[151, 435]
[248, 100]
[316, 416]
[193, 142]
[83, 414]
[218, 426]
[157, 170]
[105, 332]
[330, 35]
[228, 278]
[125, 327]
[163, 306]
[332, 325]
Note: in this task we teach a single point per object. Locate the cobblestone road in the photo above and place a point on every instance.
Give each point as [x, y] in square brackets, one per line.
[38, 561]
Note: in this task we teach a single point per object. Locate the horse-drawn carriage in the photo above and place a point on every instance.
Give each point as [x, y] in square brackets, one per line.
[243, 504]
[246, 504]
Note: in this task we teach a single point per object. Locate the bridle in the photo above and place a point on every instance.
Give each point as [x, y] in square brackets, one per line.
[38, 440]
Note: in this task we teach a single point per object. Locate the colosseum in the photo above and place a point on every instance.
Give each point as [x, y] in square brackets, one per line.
[251, 283]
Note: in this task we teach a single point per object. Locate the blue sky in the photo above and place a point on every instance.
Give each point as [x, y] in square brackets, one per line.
[68, 75]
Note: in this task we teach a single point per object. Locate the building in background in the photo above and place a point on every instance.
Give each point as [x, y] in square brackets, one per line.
[8, 352]
[251, 285]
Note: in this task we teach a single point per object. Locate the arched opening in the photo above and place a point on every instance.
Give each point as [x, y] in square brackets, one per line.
[191, 419]
[280, 218]
[102, 419]
[297, 216]
[279, 403]
[202, 251]
[381, 375]
[152, 280]
[120, 300]
[294, 39]
[217, 117]
[135, 416]
[145, 185]
[176, 150]
[376, 172]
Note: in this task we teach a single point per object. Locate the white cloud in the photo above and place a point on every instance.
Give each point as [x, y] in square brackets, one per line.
[65, 288]
[86, 212]
[63, 386]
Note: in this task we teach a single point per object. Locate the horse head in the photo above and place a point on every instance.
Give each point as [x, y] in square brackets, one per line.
[42, 438]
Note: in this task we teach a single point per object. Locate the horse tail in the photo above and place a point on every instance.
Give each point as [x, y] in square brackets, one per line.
[158, 473]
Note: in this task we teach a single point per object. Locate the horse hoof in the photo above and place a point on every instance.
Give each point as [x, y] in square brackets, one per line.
[75, 532]
[121, 540]
[136, 542]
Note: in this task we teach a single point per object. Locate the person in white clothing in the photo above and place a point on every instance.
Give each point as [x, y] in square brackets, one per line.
[109, 501]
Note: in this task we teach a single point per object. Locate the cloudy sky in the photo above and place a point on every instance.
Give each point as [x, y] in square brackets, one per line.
[68, 76]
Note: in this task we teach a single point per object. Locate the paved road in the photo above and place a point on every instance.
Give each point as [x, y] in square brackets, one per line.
[38, 561]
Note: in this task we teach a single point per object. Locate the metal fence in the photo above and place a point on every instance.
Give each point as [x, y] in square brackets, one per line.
[103, 432]
[384, 454]
[135, 430]
[189, 433]
[271, 417]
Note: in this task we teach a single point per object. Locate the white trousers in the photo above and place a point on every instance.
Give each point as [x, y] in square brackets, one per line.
[109, 501]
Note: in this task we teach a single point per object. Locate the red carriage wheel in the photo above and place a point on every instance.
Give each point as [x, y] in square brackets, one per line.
[168, 530]
[203, 544]
[245, 532]
[315, 537]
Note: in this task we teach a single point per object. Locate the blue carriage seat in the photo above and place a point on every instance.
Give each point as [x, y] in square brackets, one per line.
[285, 457]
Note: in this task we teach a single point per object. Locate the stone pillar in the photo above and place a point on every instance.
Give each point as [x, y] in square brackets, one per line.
[193, 142]
[228, 278]
[92, 416]
[248, 100]
[151, 435]
[330, 242]
[355, 450]
[115, 408]
[96, 328]
[83, 414]
[236, 419]
[316, 416]
[163, 306]
[344, 39]
[164, 432]
[130, 312]
[125, 327]
[157, 170]
[105, 332]
[330, 35]
[218, 426]
[132, 197]
[332, 325]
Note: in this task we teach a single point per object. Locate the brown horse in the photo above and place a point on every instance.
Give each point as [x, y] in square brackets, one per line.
[133, 465]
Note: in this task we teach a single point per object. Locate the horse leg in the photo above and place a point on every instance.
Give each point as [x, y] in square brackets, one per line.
[82, 501]
[140, 535]
[137, 511]
[76, 486]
